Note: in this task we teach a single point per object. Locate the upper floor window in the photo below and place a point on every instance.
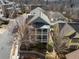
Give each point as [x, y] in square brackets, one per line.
[38, 24]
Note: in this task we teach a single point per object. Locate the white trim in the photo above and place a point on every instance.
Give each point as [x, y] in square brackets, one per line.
[42, 15]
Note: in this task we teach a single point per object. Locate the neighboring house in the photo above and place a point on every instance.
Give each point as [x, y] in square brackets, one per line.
[73, 55]
[56, 16]
[8, 8]
[55, 19]
[70, 31]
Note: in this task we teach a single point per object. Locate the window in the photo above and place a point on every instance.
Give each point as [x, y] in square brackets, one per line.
[42, 35]
[38, 24]
[44, 31]
[38, 31]
[39, 37]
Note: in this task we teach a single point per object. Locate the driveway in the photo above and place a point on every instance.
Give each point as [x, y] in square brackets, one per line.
[5, 43]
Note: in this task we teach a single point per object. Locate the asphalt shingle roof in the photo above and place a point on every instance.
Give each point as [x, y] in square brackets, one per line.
[66, 30]
[69, 28]
[75, 26]
[73, 55]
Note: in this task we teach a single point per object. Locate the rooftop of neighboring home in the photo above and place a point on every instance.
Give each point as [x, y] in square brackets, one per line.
[3, 2]
[73, 55]
[69, 29]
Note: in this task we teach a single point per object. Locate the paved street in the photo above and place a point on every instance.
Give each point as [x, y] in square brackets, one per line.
[6, 37]
[5, 44]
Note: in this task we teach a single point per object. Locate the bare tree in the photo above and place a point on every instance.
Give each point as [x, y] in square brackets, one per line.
[24, 32]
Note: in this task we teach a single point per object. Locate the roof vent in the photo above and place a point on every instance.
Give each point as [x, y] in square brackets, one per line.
[52, 19]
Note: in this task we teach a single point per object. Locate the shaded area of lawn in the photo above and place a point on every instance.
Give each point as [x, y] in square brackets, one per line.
[3, 22]
[39, 47]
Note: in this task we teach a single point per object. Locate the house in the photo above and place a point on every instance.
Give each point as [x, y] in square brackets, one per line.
[41, 25]
[56, 16]
[55, 19]
[70, 32]
[8, 8]
[42, 21]
[73, 55]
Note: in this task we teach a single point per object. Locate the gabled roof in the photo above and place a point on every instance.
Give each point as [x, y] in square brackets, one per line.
[75, 25]
[56, 15]
[73, 55]
[76, 36]
[37, 10]
[67, 30]
[42, 16]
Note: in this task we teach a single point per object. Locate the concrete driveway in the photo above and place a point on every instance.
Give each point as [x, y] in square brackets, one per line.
[5, 43]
